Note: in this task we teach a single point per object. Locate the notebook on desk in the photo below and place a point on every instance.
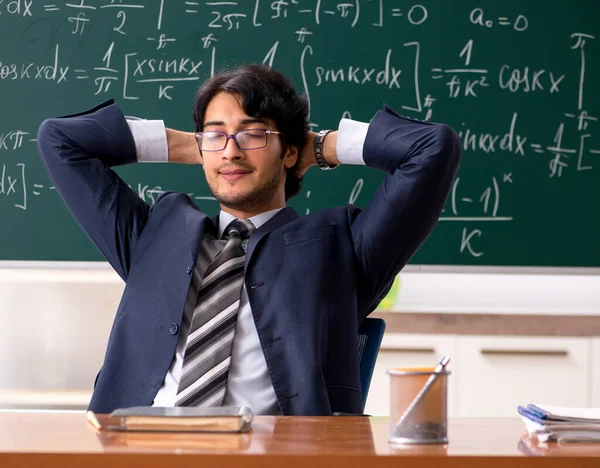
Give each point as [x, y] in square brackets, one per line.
[176, 419]
[566, 413]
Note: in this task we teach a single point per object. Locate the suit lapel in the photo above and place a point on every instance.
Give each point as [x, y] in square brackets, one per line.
[285, 216]
[196, 223]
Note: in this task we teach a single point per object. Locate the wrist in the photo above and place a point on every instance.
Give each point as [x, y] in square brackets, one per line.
[183, 147]
[330, 148]
[324, 149]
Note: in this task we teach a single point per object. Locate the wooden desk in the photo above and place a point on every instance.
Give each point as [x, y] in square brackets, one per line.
[48, 440]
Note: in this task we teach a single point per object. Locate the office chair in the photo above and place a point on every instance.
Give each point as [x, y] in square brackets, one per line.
[370, 334]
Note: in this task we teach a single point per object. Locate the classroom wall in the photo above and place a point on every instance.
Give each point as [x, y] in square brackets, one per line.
[56, 320]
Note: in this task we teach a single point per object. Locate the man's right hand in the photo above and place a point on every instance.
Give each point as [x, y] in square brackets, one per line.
[183, 147]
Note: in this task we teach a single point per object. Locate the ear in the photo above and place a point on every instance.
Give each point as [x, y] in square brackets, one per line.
[290, 157]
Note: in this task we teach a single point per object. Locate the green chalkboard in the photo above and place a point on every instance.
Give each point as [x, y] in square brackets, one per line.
[518, 80]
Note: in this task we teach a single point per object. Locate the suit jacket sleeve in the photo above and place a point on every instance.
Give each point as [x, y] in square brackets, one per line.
[78, 152]
[421, 160]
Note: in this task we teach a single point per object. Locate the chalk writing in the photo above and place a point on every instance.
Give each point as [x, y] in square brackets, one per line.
[519, 92]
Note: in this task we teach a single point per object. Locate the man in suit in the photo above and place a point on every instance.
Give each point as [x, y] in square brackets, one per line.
[210, 317]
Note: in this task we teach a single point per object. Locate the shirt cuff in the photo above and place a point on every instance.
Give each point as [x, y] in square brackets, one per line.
[350, 141]
[150, 139]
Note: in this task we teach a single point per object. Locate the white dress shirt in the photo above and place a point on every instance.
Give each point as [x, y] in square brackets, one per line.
[248, 381]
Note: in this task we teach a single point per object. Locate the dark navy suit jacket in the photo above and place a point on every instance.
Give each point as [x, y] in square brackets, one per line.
[311, 280]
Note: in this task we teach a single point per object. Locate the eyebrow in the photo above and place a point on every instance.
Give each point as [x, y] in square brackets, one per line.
[242, 122]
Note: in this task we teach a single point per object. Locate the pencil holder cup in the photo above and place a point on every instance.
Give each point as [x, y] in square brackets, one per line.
[418, 406]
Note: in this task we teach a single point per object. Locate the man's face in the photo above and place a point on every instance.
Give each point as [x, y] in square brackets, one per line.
[249, 181]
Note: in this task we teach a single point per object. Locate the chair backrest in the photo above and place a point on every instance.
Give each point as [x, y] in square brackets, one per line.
[370, 334]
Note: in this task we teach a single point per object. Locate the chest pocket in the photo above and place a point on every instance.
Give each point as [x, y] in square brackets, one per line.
[308, 234]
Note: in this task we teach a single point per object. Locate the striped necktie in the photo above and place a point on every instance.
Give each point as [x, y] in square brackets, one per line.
[208, 348]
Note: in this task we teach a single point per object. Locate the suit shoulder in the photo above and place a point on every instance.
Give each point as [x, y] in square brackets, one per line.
[332, 215]
[171, 200]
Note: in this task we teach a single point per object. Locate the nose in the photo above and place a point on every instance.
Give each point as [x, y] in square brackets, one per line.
[232, 151]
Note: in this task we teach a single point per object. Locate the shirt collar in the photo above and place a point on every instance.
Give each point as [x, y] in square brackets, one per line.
[258, 220]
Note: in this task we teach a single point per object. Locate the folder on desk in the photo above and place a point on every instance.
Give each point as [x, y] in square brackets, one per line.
[560, 423]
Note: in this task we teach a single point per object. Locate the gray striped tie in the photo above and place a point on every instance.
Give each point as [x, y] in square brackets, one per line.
[208, 348]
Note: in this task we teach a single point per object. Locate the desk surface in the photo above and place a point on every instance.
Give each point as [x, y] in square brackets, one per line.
[39, 439]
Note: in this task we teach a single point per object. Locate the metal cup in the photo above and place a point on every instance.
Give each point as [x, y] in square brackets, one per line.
[426, 422]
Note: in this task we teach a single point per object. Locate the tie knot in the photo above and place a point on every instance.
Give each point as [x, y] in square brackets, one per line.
[241, 228]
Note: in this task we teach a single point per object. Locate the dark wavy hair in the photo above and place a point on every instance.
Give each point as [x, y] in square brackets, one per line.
[264, 93]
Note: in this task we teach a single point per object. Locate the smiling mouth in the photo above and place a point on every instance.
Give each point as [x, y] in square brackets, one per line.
[233, 175]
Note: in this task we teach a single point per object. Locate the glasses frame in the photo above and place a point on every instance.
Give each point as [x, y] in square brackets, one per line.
[233, 136]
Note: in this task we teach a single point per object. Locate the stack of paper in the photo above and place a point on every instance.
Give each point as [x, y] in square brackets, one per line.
[561, 423]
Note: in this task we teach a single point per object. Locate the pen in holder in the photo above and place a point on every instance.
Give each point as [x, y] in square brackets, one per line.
[419, 405]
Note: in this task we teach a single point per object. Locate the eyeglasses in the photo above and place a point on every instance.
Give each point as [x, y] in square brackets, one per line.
[248, 139]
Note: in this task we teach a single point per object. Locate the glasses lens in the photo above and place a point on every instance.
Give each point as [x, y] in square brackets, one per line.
[212, 141]
[252, 139]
